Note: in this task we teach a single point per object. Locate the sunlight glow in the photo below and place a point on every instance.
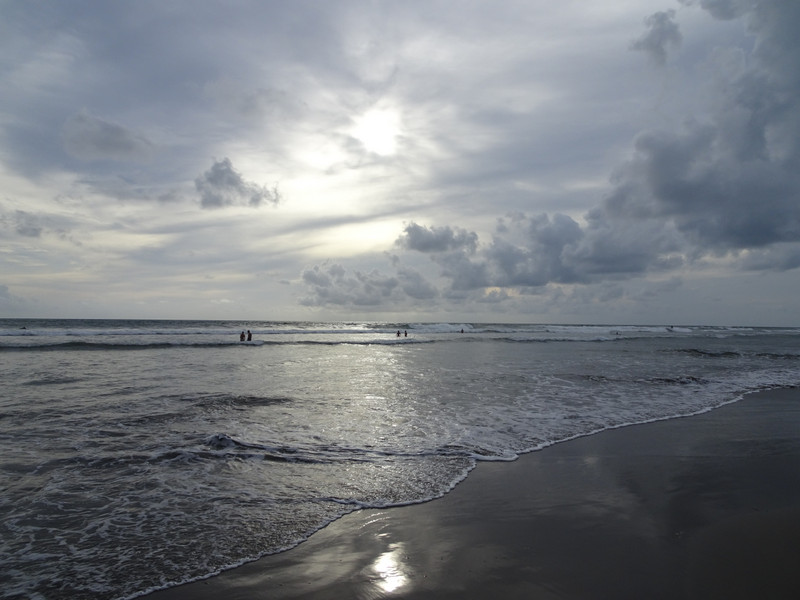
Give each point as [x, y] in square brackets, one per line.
[377, 130]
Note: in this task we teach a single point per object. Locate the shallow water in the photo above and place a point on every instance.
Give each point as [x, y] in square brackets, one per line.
[142, 454]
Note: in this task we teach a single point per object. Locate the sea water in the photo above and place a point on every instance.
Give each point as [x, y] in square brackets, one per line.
[138, 455]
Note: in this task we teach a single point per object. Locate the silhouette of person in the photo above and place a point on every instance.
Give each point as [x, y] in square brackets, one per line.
[405, 333]
[398, 333]
[249, 336]
[241, 337]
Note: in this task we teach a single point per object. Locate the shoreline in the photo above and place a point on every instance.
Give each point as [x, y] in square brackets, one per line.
[703, 506]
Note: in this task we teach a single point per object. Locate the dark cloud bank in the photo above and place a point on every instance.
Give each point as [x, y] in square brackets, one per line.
[724, 186]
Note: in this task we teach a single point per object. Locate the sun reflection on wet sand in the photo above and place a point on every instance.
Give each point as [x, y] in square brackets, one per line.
[389, 568]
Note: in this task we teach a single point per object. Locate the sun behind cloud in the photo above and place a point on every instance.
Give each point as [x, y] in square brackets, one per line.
[378, 129]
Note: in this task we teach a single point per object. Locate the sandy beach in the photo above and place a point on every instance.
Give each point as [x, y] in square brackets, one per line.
[701, 507]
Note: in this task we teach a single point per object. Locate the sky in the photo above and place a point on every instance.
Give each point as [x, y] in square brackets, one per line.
[623, 161]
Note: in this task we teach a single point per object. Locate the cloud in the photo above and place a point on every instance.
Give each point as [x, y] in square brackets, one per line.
[528, 252]
[27, 224]
[721, 9]
[334, 285]
[546, 254]
[436, 239]
[729, 181]
[222, 186]
[415, 285]
[662, 31]
[718, 200]
[36, 226]
[724, 185]
[781, 257]
[90, 138]
[524, 173]
[12, 305]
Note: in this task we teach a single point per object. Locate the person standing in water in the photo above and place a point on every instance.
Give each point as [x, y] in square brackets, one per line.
[249, 336]
[241, 337]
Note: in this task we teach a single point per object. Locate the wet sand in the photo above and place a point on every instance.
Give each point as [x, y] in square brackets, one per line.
[702, 507]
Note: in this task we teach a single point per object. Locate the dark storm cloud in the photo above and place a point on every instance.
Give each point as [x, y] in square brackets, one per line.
[662, 31]
[222, 186]
[91, 138]
[722, 185]
[730, 181]
[718, 200]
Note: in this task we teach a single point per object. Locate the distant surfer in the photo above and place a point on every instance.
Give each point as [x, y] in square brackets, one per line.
[249, 336]
[241, 337]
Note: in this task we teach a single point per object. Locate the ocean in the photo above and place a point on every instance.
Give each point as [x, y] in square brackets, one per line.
[138, 455]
